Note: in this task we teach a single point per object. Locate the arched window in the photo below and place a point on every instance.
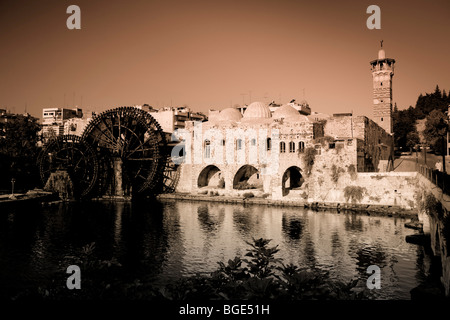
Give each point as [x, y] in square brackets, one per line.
[301, 146]
[282, 147]
[207, 149]
[292, 146]
[268, 144]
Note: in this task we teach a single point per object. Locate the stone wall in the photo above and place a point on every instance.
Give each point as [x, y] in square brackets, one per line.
[376, 145]
[434, 227]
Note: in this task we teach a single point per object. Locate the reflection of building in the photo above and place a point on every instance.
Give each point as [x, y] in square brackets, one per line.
[53, 120]
[172, 118]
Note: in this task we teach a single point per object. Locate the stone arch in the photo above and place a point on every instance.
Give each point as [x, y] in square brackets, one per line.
[247, 177]
[210, 176]
[292, 179]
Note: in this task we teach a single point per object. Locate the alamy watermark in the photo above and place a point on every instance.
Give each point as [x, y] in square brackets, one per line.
[374, 281]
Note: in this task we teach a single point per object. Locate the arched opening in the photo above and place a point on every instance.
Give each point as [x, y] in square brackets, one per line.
[247, 177]
[292, 179]
[211, 176]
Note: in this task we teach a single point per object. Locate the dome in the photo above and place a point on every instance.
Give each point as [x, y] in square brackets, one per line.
[257, 110]
[231, 114]
[381, 54]
[289, 113]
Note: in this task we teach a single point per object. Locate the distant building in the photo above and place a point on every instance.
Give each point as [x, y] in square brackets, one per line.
[302, 107]
[76, 126]
[172, 118]
[53, 120]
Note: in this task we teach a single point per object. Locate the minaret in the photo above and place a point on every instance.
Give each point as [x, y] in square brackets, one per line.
[382, 73]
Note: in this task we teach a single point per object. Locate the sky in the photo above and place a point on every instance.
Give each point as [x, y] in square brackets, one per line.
[216, 54]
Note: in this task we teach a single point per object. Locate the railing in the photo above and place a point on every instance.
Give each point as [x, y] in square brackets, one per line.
[439, 178]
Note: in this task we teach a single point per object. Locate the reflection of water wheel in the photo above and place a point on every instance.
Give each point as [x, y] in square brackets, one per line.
[134, 142]
[171, 176]
[69, 153]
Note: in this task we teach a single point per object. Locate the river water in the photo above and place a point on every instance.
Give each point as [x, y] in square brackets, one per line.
[167, 240]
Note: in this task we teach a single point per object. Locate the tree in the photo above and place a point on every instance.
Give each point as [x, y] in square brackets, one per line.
[404, 122]
[18, 152]
[436, 128]
[412, 140]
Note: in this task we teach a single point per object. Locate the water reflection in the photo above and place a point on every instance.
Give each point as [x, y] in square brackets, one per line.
[160, 241]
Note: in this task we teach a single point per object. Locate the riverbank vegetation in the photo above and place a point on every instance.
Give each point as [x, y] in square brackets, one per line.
[257, 275]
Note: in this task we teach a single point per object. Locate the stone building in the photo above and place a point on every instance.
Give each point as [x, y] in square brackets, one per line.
[382, 73]
[282, 153]
[266, 153]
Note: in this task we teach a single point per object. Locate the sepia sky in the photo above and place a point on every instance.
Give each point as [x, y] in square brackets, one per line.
[214, 54]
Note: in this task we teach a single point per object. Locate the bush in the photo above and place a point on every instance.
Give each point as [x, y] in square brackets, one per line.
[243, 185]
[352, 171]
[355, 193]
[308, 157]
[247, 195]
[335, 173]
[221, 183]
[258, 275]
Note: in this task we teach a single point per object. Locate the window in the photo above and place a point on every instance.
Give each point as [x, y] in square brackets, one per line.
[381, 119]
[253, 142]
[268, 144]
[282, 147]
[238, 144]
[223, 142]
[291, 146]
[207, 149]
[381, 83]
[318, 149]
[301, 146]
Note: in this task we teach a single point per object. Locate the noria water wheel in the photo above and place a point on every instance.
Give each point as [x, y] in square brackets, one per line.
[131, 148]
[70, 155]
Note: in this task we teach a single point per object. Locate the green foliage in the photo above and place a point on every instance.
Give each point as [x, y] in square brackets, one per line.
[247, 195]
[431, 101]
[18, 152]
[336, 172]
[221, 183]
[259, 275]
[432, 206]
[404, 121]
[355, 193]
[61, 183]
[352, 171]
[436, 129]
[244, 185]
[308, 157]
